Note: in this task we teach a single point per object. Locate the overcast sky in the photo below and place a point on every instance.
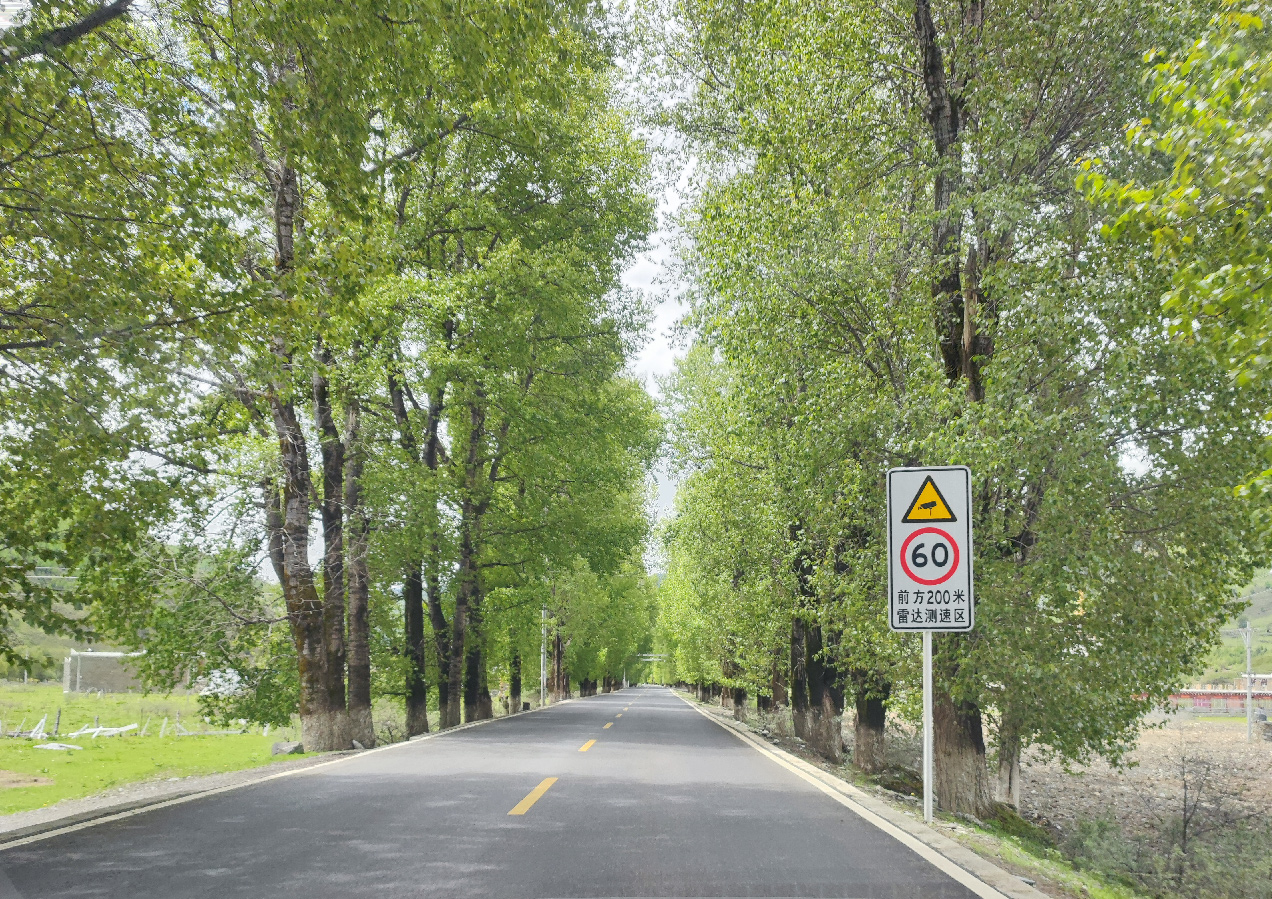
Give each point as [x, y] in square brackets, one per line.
[651, 274]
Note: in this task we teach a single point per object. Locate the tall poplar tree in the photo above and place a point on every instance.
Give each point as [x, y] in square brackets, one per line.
[891, 261]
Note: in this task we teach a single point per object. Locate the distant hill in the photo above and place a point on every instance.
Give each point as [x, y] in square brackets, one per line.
[45, 651]
[1227, 662]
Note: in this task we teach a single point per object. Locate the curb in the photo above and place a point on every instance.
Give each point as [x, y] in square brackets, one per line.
[984, 878]
[33, 833]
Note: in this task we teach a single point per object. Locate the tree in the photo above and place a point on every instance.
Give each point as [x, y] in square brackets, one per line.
[890, 260]
[117, 256]
[1195, 195]
[1203, 212]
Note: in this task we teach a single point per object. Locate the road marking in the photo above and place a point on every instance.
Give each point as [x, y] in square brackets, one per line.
[626, 707]
[181, 799]
[586, 746]
[532, 797]
[608, 725]
[619, 715]
[842, 795]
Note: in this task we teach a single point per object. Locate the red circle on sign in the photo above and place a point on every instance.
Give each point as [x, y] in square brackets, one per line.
[905, 551]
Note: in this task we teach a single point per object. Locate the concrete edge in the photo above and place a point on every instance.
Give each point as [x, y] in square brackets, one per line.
[33, 833]
[983, 877]
[18, 833]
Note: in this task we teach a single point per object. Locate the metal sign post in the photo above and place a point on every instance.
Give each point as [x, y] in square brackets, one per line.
[930, 569]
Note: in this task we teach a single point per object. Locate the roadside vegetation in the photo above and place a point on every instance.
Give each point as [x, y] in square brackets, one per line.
[1189, 827]
[33, 778]
[316, 363]
[1022, 238]
[285, 276]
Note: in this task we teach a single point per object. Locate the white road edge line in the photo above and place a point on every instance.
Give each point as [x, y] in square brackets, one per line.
[903, 831]
[190, 797]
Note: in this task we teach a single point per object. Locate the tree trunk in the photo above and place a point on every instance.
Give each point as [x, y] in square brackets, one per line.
[464, 598]
[738, 695]
[962, 777]
[560, 677]
[1009, 748]
[514, 683]
[944, 114]
[421, 587]
[441, 628]
[451, 715]
[320, 729]
[869, 747]
[323, 724]
[477, 704]
[331, 448]
[485, 705]
[468, 595]
[777, 687]
[817, 701]
[416, 685]
[361, 726]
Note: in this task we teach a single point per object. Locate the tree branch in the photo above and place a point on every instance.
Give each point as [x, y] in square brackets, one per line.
[57, 38]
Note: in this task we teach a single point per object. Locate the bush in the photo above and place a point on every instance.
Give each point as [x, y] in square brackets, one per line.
[1228, 861]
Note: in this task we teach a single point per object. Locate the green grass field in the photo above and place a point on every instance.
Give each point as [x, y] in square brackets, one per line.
[33, 778]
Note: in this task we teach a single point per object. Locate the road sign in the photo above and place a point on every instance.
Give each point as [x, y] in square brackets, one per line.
[930, 549]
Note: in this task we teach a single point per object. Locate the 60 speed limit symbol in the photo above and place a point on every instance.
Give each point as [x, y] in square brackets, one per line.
[930, 549]
[936, 556]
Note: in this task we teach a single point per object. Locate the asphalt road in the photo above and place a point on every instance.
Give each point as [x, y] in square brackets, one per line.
[664, 803]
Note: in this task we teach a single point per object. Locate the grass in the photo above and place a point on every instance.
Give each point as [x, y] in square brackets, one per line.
[109, 762]
[1022, 847]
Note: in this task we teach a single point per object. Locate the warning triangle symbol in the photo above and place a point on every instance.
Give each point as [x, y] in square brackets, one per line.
[929, 505]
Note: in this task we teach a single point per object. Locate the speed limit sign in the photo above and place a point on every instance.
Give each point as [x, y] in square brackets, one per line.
[930, 549]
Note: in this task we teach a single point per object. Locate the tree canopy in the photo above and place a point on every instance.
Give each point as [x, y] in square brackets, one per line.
[315, 355]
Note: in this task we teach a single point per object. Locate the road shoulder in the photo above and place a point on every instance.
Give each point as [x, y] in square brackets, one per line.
[984, 878]
[21, 828]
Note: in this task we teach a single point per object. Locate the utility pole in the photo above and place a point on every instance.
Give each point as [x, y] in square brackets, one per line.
[543, 658]
[1247, 634]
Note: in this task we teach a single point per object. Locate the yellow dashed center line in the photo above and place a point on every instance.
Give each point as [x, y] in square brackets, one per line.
[608, 725]
[586, 746]
[619, 715]
[534, 796]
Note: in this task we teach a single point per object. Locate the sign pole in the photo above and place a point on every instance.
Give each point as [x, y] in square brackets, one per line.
[927, 727]
[930, 582]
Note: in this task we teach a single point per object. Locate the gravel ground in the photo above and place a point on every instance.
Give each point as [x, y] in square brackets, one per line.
[151, 791]
[1213, 754]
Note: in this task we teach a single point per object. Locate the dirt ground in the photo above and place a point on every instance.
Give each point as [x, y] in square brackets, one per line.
[1222, 770]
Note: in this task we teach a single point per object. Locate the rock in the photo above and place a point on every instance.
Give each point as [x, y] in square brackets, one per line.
[59, 746]
[284, 747]
[358, 746]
